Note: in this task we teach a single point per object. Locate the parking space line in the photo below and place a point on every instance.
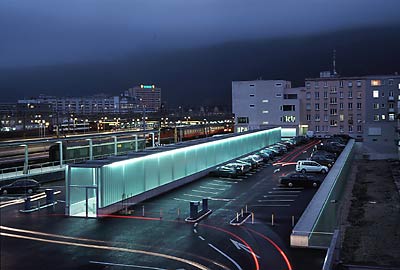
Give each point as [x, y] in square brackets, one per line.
[213, 188]
[221, 185]
[230, 179]
[270, 205]
[179, 199]
[202, 191]
[282, 188]
[275, 200]
[285, 191]
[281, 195]
[221, 181]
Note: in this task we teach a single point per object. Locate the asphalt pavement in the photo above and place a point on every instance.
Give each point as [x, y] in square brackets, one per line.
[154, 235]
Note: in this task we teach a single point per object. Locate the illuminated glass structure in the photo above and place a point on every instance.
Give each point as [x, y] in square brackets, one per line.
[100, 187]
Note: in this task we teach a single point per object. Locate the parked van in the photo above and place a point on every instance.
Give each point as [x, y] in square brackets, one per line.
[310, 166]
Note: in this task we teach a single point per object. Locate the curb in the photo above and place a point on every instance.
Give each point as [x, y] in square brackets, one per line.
[190, 220]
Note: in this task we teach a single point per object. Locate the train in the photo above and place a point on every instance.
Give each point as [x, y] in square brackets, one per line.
[184, 133]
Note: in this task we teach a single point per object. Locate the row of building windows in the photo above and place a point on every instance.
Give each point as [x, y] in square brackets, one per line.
[333, 102]
[358, 83]
[378, 117]
[341, 128]
[341, 95]
[375, 94]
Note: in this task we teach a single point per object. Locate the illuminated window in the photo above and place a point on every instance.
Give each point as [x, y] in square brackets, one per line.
[383, 117]
[341, 117]
[391, 116]
[265, 112]
[376, 82]
[375, 94]
[265, 101]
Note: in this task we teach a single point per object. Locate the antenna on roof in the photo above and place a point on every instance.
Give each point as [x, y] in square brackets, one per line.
[334, 63]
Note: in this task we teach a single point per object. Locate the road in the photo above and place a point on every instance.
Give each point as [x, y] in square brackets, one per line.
[161, 239]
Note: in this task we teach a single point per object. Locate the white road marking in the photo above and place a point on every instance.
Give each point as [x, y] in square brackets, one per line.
[282, 188]
[210, 198]
[179, 199]
[270, 205]
[285, 191]
[226, 256]
[202, 191]
[245, 248]
[201, 238]
[231, 179]
[277, 170]
[280, 195]
[275, 200]
[221, 185]
[212, 188]
[194, 230]
[128, 265]
[221, 181]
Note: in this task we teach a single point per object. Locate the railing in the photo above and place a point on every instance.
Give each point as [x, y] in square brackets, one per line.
[8, 173]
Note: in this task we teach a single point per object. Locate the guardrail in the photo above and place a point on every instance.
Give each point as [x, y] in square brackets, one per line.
[45, 167]
[316, 226]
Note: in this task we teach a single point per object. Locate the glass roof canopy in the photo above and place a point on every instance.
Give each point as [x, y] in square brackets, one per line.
[95, 185]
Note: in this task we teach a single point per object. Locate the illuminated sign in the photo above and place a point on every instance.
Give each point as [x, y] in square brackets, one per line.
[147, 86]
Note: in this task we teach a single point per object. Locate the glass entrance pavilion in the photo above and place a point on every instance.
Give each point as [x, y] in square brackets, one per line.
[100, 187]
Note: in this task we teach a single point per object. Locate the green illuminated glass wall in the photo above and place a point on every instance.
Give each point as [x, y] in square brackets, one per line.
[127, 178]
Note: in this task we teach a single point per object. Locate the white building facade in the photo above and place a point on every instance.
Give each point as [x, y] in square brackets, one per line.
[266, 104]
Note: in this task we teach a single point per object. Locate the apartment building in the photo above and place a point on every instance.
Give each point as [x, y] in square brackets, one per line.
[364, 107]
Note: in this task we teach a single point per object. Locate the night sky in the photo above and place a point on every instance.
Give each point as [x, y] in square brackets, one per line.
[192, 49]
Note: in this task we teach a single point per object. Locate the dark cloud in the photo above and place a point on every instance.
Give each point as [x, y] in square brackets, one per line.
[44, 32]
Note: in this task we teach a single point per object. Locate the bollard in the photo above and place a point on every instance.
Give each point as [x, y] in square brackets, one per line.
[292, 221]
[237, 217]
[143, 210]
[205, 204]
[252, 218]
[194, 209]
[27, 203]
[49, 196]
[242, 212]
[246, 208]
[272, 219]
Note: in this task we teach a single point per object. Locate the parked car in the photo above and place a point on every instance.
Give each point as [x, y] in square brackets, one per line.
[299, 180]
[265, 156]
[248, 161]
[323, 153]
[28, 186]
[223, 171]
[257, 158]
[310, 166]
[240, 167]
[323, 160]
[281, 146]
[271, 151]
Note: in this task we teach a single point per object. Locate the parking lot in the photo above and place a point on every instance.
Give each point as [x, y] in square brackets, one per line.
[158, 226]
